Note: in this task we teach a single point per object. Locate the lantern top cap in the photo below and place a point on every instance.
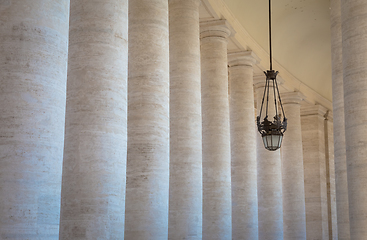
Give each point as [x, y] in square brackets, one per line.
[271, 74]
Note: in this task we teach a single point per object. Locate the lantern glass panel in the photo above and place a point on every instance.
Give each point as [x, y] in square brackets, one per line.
[265, 140]
[272, 142]
[275, 140]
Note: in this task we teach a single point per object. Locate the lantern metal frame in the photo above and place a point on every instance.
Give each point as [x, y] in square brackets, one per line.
[271, 131]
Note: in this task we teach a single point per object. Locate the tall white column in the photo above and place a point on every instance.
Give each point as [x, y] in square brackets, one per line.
[185, 191]
[217, 223]
[339, 128]
[243, 146]
[93, 185]
[330, 167]
[33, 70]
[269, 178]
[313, 140]
[148, 121]
[294, 212]
[354, 24]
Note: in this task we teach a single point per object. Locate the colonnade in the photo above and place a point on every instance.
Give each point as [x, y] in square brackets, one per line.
[154, 136]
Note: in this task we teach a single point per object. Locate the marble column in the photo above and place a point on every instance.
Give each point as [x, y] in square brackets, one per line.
[313, 139]
[269, 177]
[33, 70]
[354, 35]
[185, 191]
[217, 223]
[339, 128]
[243, 146]
[330, 173]
[93, 185]
[294, 212]
[148, 121]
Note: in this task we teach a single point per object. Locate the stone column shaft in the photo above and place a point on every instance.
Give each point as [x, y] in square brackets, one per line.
[33, 70]
[93, 187]
[354, 34]
[185, 203]
[294, 212]
[269, 177]
[148, 121]
[313, 139]
[243, 146]
[339, 128]
[330, 167]
[217, 222]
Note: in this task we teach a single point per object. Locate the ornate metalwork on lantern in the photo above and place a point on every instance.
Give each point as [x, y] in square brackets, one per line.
[271, 130]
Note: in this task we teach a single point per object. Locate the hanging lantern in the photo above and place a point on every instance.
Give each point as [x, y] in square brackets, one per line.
[271, 130]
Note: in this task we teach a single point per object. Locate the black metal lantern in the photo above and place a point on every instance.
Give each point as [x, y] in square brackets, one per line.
[271, 130]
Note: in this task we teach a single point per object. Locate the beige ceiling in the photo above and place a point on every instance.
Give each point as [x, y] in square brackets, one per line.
[301, 36]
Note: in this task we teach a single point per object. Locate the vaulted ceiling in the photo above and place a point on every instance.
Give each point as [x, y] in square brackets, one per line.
[301, 36]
